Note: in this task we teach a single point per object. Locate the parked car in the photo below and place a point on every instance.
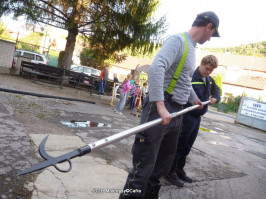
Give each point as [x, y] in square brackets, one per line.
[86, 70]
[35, 57]
[80, 69]
[95, 72]
[92, 72]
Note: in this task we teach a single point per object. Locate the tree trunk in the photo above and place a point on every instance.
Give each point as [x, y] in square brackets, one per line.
[70, 46]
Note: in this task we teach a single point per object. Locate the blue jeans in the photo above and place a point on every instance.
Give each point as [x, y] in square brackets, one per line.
[116, 87]
[122, 102]
[102, 86]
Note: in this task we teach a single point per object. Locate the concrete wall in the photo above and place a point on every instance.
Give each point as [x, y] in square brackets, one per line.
[7, 50]
[252, 113]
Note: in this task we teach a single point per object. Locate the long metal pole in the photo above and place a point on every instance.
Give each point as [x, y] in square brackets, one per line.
[95, 145]
[119, 136]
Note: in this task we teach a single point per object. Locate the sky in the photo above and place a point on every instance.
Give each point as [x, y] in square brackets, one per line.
[241, 21]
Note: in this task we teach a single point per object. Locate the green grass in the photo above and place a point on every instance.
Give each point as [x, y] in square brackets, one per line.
[33, 104]
[19, 96]
[31, 142]
[41, 116]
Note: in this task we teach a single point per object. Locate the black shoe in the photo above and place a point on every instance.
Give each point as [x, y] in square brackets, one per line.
[173, 179]
[183, 176]
[152, 193]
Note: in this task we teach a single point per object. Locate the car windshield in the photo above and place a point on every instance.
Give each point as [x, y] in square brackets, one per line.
[96, 72]
[86, 70]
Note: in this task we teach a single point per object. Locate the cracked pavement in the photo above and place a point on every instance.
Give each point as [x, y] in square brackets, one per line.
[228, 162]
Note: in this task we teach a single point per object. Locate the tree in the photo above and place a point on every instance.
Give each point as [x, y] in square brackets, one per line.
[246, 50]
[96, 57]
[3, 32]
[31, 42]
[109, 25]
[219, 82]
[2, 28]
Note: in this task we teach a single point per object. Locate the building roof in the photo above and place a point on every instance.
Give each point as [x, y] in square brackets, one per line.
[256, 63]
[232, 68]
[133, 62]
[247, 81]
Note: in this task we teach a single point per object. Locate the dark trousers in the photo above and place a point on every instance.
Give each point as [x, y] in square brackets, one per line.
[187, 137]
[153, 150]
[142, 100]
[102, 86]
[133, 101]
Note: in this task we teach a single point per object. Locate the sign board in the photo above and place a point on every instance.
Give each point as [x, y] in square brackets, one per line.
[254, 109]
[252, 113]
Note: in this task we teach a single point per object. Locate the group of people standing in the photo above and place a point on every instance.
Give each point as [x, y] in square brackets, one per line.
[130, 91]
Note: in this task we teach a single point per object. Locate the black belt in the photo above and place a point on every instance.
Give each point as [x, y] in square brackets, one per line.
[168, 97]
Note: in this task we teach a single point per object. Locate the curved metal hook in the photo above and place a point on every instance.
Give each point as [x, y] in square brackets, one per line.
[42, 149]
[64, 170]
[46, 156]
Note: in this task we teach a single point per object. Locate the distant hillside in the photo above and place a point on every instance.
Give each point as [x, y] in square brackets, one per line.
[246, 50]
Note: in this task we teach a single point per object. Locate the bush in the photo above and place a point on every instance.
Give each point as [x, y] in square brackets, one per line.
[229, 106]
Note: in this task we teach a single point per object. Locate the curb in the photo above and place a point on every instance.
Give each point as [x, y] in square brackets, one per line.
[220, 113]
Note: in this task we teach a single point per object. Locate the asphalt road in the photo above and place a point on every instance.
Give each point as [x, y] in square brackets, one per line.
[229, 161]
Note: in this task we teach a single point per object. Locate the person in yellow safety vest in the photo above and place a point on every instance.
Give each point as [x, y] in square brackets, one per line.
[154, 149]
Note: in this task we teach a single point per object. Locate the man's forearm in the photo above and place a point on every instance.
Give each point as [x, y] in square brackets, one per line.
[163, 112]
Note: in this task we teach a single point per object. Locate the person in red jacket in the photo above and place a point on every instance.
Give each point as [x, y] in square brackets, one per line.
[104, 78]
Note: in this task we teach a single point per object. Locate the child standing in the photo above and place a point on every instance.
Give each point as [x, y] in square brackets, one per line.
[116, 84]
[144, 92]
[125, 88]
[205, 88]
[134, 93]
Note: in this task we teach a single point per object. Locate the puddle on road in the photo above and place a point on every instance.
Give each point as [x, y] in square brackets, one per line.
[84, 124]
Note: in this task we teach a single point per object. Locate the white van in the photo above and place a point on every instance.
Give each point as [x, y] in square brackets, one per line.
[35, 57]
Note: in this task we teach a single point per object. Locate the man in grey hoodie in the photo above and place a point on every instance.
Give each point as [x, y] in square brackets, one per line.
[169, 89]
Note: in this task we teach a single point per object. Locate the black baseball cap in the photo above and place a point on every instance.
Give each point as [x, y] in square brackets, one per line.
[212, 18]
